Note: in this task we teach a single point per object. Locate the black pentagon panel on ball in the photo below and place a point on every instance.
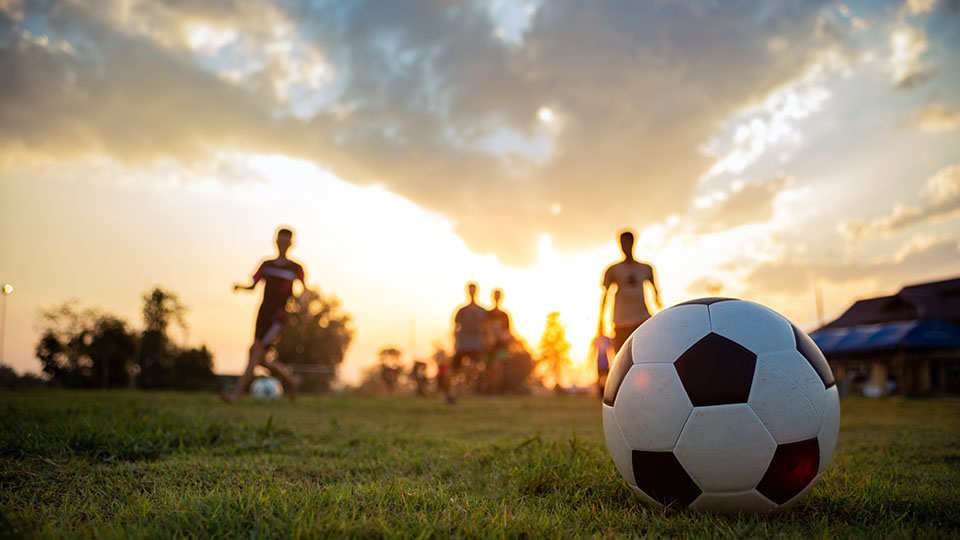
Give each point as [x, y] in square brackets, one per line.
[621, 365]
[812, 353]
[706, 301]
[716, 371]
[793, 467]
[661, 476]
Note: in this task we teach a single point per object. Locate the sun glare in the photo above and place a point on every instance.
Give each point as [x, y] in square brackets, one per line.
[545, 114]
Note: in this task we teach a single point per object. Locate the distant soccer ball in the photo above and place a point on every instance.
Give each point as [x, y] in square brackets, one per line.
[266, 389]
[722, 405]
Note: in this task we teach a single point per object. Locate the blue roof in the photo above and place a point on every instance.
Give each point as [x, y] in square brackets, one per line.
[921, 334]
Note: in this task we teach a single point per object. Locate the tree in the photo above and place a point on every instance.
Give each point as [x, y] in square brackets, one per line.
[554, 347]
[111, 350]
[388, 376]
[84, 348]
[391, 367]
[160, 308]
[193, 369]
[162, 363]
[315, 338]
[518, 368]
[157, 352]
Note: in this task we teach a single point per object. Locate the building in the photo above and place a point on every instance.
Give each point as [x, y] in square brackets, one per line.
[906, 343]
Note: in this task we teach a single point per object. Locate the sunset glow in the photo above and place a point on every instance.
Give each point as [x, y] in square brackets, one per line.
[500, 142]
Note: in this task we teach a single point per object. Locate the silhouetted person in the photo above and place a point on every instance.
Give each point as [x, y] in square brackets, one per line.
[278, 276]
[629, 305]
[498, 338]
[468, 342]
[601, 348]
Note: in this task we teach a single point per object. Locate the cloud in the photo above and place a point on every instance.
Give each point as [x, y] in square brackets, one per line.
[124, 97]
[940, 198]
[907, 46]
[917, 7]
[920, 256]
[745, 204]
[934, 118]
[410, 97]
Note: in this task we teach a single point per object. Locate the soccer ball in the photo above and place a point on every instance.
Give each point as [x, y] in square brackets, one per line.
[266, 389]
[722, 405]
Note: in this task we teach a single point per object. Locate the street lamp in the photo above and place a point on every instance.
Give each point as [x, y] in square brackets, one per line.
[7, 289]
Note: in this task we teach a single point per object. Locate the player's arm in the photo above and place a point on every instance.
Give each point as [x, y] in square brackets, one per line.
[656, 291]
[241, 287]
[257, 276]
[603, 299]
[306, 295]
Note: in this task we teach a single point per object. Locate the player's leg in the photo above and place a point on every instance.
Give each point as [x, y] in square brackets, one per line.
[448, 375]
[602, 380]
[257, 353]
[496, 371]
[620, 334]
[291, 382]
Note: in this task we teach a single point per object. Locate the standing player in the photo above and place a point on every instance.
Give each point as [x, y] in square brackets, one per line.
[498, 338]
[629, 305]
[468, 326]
[278, 276]
[601, 347]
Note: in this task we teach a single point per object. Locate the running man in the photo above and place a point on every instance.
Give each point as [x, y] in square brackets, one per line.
[498, 338]
[629, 304]
[278, 276]
[468, 326]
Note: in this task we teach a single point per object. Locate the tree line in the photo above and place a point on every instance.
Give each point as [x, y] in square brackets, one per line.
[522, 368]
[89, 348]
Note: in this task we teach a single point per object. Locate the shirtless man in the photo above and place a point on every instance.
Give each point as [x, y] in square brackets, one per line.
[629, 304]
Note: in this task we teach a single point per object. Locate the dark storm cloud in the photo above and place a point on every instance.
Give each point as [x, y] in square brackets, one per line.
[638, 88]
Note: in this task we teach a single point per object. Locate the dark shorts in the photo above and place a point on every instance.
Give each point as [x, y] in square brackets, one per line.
[269, 323]
[457, 361]
[621, 332]
[497, 353]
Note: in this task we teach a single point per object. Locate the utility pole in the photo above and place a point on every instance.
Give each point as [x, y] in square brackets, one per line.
[412, 338]
[7, 289]
[818, 295]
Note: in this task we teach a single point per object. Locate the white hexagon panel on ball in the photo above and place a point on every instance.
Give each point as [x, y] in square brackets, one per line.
[753, 326]
[664, 337]
[788, 396]
[725, 448]
[652, 407]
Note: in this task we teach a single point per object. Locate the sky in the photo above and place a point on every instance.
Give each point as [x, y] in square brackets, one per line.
[759, 150]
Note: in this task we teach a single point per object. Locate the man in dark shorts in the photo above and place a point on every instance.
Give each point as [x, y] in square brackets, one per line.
[278, 276]
[467, 340]
[498, 339]
[629, 304]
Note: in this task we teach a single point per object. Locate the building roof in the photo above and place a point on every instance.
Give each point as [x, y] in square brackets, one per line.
[935, 300]
[918, 334]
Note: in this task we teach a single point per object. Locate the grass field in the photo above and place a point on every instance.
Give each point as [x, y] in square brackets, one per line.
[164, 464]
